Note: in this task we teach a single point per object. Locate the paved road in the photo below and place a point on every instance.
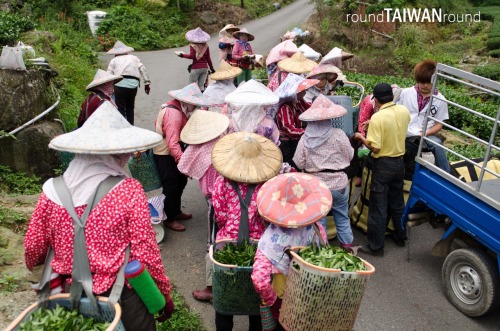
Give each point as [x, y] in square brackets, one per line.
[402, 295]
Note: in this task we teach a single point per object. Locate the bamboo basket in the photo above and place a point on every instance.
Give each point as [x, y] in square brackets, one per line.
[108, 313]
[319, 299]
[232, 288]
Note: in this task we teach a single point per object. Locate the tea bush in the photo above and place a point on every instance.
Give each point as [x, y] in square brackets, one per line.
[12, 25]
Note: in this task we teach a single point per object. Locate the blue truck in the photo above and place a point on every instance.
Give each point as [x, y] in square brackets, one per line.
[471, 243]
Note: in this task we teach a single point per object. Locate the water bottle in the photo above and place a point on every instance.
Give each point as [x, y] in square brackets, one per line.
[144, 285]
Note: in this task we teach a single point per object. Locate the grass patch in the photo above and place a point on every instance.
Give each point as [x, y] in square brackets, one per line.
[17, 183]
[183, 319]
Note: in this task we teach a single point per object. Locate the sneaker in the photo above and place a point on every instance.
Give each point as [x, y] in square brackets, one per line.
[367, 250]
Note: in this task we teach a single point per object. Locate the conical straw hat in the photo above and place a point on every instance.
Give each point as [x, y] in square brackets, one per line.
[189, 94]
[322, 109]
[230, 28]
[120, 48]
[325, 68]
[106, 131]
[204, 126]
[102, 77]
[252, 93]
[197, 36]
[225, 71]
[246, 157]
[294, 200]
[297, 64]
[245, 31]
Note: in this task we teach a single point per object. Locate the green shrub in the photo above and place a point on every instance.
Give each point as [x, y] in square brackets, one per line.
[17, 182]
[12, 25]
[410, 40]
[494, 53]
[493, 43]
[488, 71]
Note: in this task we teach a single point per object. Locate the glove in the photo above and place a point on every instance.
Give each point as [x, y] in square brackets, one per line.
[179, 53]
[275, 309]
[147, 88]
[166, 312]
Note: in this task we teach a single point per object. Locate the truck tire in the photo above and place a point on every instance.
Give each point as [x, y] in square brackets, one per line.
[471, 281]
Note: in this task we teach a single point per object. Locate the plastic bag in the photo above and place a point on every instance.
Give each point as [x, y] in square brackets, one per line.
[27, 50]
[12, 58]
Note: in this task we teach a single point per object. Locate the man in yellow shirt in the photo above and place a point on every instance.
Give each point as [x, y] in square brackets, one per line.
[386, 141]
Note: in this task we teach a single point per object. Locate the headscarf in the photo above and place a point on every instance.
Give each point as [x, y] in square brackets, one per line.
[246, 117]
[276, 239]
[317, 132]
[196, 160]
[84, 174]
[108, 90]
[200, 49]
[244, 44]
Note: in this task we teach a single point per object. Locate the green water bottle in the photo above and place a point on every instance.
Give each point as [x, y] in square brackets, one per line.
[144, 285]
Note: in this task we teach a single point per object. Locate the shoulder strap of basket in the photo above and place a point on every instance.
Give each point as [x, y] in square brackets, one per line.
[243, 231]
[317, 233]
[81, 275]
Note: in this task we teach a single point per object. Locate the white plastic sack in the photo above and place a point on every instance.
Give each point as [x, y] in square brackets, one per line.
[12, 59]
[310, 53]
[27, 50]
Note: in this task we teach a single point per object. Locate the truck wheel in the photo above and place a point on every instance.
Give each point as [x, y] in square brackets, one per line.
[471, 281]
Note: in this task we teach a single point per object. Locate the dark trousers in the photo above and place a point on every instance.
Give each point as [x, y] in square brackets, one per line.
[173, 182]
[288, 148]
[135, 314]
[386, 200]
[125, 101]
[225, 322]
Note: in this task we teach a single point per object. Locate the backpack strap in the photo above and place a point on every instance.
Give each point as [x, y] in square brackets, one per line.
[243, 230]
[81, 275]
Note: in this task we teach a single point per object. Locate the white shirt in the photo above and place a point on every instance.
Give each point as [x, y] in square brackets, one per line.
[439, 110]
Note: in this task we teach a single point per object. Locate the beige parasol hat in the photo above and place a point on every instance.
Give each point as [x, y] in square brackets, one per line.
[243, 31]
[297, 64]
[106, 132]
[204, 126]
[225, 71]
[102, 77]
[246, 157]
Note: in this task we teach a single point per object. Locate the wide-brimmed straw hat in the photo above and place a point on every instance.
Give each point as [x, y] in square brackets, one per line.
[283, 50]
[297, 64]
[245, 31]
[325, 68]
[189, 94]
[252, 93]
[230, 28]
[197, 36]
[120, 48]
[322, 109]
[246, 157]
[294, 200]
[306, 83]
[225, 71]
[102, 77]
[204, 126]
[106, 131]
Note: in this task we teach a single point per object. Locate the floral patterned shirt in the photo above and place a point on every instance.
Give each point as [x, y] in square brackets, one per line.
[119, 220]
[227, 210]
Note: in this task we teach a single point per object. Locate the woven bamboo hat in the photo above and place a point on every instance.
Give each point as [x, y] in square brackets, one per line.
[197, 36]
[322, 109]
[246, 157]
[120, 48]
[294, 200]
[204, 126]
[243, 31]
[225, 71]
[106, 132]
[297, 64]
[102, 77]
[230, 28]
